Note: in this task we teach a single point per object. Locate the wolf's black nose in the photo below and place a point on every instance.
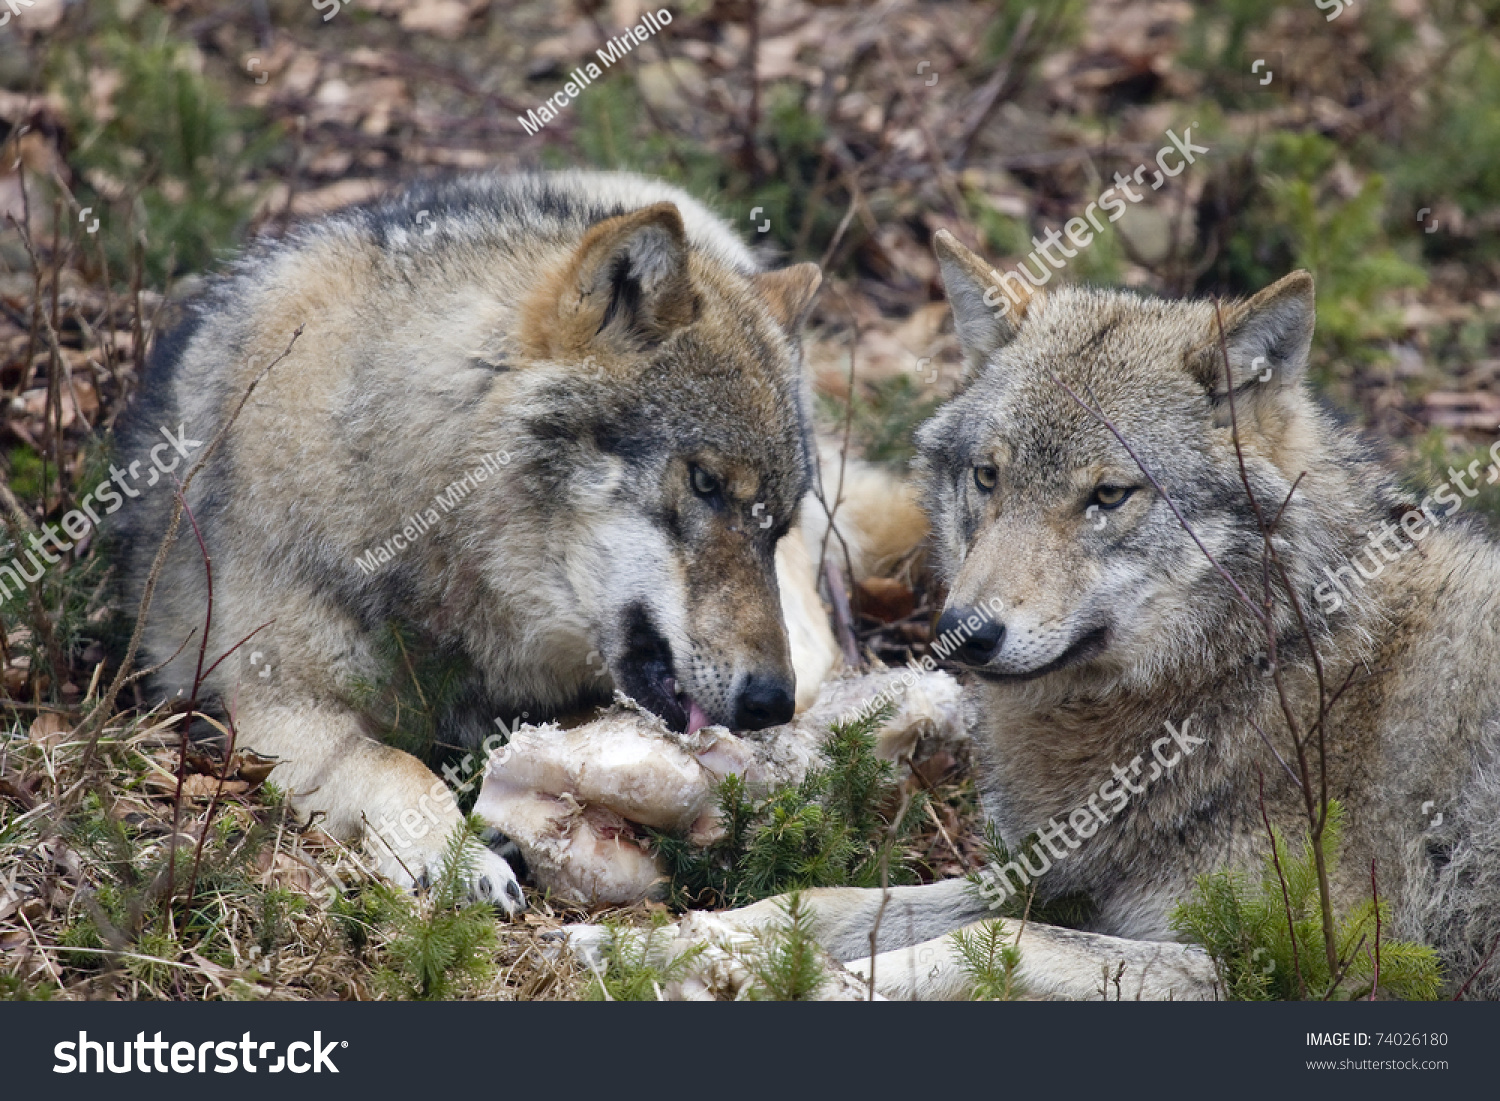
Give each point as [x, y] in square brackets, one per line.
[971, 646]
[764, 701]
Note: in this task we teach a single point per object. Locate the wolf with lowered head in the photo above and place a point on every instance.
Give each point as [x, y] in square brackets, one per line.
[617, 385]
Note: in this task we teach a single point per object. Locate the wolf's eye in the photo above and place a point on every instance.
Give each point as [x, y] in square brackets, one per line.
[986, 478]
[704, 483]
[1112, 496]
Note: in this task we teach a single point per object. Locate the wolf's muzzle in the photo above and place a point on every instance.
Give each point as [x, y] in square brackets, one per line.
[975, 647]
[764, 701]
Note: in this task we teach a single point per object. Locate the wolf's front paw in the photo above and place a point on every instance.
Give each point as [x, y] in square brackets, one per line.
[489, 878]
[494, 881]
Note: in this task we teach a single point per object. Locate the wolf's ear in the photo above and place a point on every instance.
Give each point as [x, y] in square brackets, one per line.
[983, 315]
[1268, 339]
[789, 293]
[626, 287]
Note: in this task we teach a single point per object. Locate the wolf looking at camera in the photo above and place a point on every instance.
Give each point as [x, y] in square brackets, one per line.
[1124, 666]
[616, 386]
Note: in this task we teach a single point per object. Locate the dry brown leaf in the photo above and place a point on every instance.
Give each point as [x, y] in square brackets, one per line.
[200, 785]
[49, 729]
[252, 767]
[195, 786]
[885, 599]
[444, 18]
[87, 398]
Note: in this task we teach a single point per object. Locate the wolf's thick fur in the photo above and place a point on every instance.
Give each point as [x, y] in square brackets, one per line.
[1117, 624]
[633, 378]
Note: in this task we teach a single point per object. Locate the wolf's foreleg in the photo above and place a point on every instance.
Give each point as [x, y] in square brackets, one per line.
[369, 792]
[916, 956]
[1055, 963]
[843, 917]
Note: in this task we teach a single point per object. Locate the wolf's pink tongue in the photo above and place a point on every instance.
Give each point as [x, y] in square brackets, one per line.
[697, 717]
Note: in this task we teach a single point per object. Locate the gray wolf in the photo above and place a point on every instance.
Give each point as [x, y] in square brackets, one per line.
[550, 426]
[1122, 658]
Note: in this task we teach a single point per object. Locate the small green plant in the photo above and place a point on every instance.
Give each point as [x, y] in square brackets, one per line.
[362, 914]
[1053, 28]
[788, 967]
[838, 827]
[1449, 155]
[632, 969]
[417, 685]
[795, 196]
[14, 989]
[172, 146]
[1262, 954]
[989, 961]
[1435, 457]
[1295, 217]
[1003, 234]
[1071, 911]
[442, 942]
[886, 414]
[25, 470]
[1218, 44]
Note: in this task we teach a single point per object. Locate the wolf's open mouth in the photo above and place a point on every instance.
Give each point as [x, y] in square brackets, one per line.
[697, 718]
[650, 678]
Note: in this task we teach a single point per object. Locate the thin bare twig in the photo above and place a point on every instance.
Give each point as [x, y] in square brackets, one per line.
[192, 709]
[1317, 813]
[1098, 413]
[1375, 894]
[1483, 964]
[885, 882]
[1286, 897]
[209, 671]
[843, 616]
[1276, 753]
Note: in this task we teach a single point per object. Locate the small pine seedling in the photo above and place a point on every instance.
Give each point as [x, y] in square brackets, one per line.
[1243, 925]
[442, 942]
[989, 961]
[788, 965]
[633, 968]
[836, 828]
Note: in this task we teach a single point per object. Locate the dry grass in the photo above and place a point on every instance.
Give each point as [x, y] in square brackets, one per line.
[273, 909]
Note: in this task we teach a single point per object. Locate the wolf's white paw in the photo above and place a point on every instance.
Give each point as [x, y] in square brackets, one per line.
[491, 879]
[494, 881]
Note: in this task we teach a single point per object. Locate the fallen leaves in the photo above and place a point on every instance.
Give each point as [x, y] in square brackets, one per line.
[1479, 409]
[49, 730]
[204, 776]
[885, 599]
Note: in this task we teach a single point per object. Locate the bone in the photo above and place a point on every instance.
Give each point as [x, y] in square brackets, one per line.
[572, 799]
